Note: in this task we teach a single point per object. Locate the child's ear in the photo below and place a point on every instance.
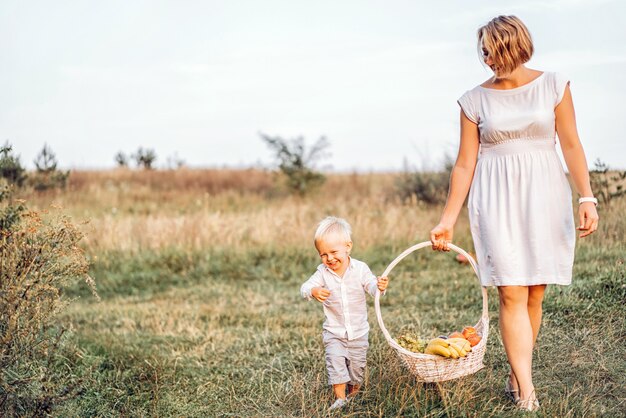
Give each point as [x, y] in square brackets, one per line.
[349, 246]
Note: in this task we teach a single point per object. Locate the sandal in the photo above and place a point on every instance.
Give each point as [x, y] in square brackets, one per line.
[512, 394]
[530, 405]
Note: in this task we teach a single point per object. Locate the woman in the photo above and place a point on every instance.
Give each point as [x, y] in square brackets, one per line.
[519, 203]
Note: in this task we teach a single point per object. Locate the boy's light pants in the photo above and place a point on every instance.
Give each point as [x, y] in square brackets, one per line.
[345, 360]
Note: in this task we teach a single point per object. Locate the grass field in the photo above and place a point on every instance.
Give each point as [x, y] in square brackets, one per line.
[199, 275]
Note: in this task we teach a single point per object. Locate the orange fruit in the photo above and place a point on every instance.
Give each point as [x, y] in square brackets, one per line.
[473, 339]
[467, 331]
[456, 334]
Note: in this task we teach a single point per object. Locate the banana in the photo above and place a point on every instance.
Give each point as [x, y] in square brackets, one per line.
[459, 350]
[438, 341]
[454, 352]
[437, 350]
[461, 342]
[464, 351]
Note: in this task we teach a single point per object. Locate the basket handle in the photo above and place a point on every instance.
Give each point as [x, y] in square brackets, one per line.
[485, 313]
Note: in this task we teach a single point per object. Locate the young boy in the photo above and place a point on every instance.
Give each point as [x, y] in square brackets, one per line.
[340, 283]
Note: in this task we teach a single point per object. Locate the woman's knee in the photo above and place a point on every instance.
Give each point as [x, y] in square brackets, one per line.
[513, 296]
[535, 295]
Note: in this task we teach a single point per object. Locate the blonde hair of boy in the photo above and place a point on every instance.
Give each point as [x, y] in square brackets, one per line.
[507, 42]
[333, 226]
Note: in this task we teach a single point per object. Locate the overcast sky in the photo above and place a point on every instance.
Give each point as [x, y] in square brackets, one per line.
[201, 79]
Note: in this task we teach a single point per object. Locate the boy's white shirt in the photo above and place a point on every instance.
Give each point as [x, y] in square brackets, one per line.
[345, 309]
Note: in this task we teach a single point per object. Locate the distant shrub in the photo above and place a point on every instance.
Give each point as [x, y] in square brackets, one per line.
[174, 162]
[47, 176]
[297, 162]
[10, 167]
[607, 184]
[38, 258]
[429, 187]
[121, 159]
[144, 158]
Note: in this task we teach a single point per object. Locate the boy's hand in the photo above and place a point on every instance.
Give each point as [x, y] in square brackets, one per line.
[320, 293]
[382, 283]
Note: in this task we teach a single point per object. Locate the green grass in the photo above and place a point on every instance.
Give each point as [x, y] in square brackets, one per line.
[221, 333]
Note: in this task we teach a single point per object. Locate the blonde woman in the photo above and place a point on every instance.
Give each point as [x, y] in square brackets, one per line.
[520, 202]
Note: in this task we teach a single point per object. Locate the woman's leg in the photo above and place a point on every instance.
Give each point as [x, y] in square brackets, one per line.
[535, 303]
[517, 335]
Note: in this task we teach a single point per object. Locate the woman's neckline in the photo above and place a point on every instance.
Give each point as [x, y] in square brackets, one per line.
[518, 88]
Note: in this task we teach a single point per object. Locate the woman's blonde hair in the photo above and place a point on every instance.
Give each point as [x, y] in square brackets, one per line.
[508, 43]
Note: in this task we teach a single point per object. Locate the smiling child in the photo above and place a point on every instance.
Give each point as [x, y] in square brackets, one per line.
[340, 284]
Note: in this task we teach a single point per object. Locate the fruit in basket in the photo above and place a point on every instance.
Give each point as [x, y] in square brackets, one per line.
[412, 343]
[474, 339]
[461, 343]
[437, 350]
[456, 351]
[456, 334]
[467, 331]
[438, 341]
[438, 346]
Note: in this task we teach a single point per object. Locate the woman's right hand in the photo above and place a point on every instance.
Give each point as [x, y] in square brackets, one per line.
[441, 236]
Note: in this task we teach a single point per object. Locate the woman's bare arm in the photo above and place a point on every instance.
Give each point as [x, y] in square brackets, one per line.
[574, 156]
[460, 181]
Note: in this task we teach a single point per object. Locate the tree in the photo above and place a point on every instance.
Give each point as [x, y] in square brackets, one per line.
[297, 162]
[47, 175]
[10, 167]
[121, 159]
[46, 160]
[144, 158]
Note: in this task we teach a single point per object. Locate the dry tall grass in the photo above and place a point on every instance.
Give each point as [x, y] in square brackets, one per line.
[201, 209]
[137, 210]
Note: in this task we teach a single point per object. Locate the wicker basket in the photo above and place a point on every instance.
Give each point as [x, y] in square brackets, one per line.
[432, 368]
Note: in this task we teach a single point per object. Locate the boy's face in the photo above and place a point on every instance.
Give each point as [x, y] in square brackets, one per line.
[334, 251]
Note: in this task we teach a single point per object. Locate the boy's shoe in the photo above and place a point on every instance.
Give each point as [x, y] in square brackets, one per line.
[339, 403]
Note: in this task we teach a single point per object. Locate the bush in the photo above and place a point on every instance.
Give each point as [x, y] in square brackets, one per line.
[121, 159]
[38, 258]
[47, 176]
[430, 187]
[145, 158]
[174, 162]
[607, 185]
[10, 167]
[296, 162]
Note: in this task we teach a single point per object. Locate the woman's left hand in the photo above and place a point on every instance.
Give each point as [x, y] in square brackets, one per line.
[588, 216]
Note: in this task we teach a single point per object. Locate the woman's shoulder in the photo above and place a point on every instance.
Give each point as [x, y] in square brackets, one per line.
[554, 78]
[472, 93]
[470, 98]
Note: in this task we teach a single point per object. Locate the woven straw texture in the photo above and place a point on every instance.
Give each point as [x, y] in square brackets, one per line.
[432, 368]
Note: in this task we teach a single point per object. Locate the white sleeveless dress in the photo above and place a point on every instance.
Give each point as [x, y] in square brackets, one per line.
[520, 202]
